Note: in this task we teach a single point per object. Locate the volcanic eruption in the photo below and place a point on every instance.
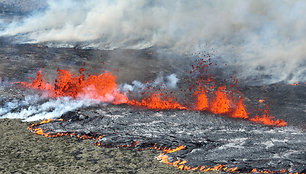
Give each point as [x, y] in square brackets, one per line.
[213, 86]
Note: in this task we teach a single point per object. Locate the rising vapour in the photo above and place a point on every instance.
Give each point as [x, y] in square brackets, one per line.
[33, 108]
[169, 82]
[261, 39]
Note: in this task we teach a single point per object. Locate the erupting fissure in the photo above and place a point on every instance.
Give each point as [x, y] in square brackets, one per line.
[101, 87]
[221, 104]
[157, 101]
[209, 96]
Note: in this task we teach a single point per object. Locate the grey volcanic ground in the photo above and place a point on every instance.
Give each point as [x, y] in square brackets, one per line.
[24, 152]
[21, 151]
[210, 139]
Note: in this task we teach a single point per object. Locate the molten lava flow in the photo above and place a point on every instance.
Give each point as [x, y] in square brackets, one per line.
[240, 111]
[181, 164]
[202, 100]
[38, 83]
[181, 147]
[42, 132]
[221, 104]
[101, 87]
[157, 101]
[268, 119]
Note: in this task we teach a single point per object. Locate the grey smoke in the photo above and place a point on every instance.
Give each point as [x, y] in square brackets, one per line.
[262, 39]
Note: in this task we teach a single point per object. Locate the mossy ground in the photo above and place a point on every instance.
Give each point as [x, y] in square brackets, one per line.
[21, 151]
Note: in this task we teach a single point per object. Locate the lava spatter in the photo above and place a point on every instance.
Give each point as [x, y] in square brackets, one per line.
[221, 104]
[104, 88]
[157, 101]
[267, 119]
[240, 111]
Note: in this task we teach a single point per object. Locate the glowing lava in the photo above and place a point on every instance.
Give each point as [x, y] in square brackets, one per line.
[221, 104]
[202, 100]
[240, 111]
[101, 87]
[268, 119]
[157, 101]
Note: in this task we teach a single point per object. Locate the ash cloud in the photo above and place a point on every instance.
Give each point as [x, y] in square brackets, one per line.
[260, 39]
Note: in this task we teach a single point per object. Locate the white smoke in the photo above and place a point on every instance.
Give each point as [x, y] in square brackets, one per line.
[34, 108]
[170, 82]
[262, 38]
[12, 105]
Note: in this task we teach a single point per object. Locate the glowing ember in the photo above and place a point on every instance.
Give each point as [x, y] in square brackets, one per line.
[295, 84]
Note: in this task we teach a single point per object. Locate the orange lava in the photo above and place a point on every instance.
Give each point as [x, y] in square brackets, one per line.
[42, 132]
[180, 164]
[268, 119]
[101, 87]
[181, 147]
[240, 111]
[202, 100]
[157, 101]
[295, 84]
[261, 100]
[38, 83]
[221, 104]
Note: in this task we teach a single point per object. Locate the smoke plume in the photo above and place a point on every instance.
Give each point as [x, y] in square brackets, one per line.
[170, 82]
[33, 108]
[261, 39]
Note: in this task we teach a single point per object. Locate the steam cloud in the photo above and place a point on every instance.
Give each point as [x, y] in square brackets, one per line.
[33, 108]
[37, 107]
[262, 39]
[169, 83]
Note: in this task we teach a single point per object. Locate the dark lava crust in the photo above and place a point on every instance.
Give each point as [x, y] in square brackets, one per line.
[209, 139]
